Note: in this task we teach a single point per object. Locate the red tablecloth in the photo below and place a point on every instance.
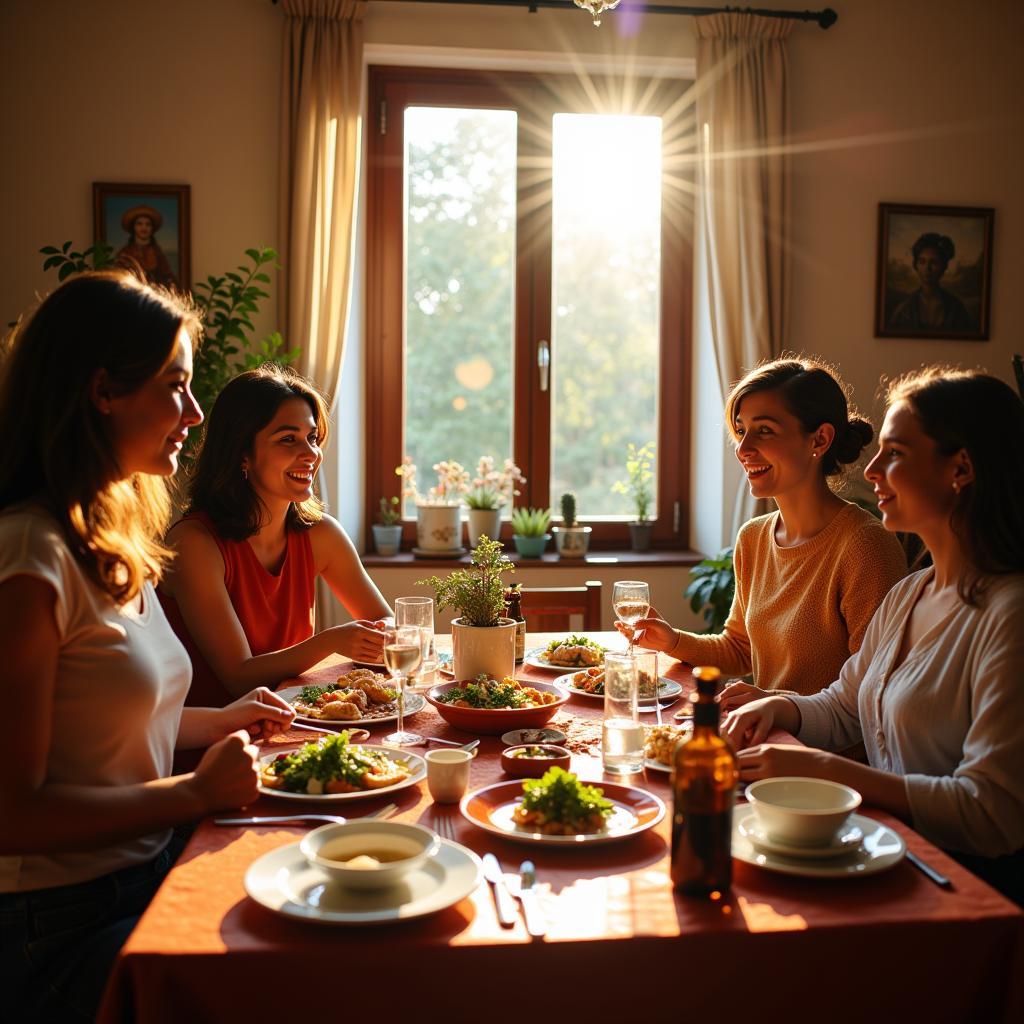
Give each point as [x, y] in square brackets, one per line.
[620, 940]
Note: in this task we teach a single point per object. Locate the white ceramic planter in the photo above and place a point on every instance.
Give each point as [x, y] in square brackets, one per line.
[490, 649]
[438, 527]
[483, 521]
[571, 541]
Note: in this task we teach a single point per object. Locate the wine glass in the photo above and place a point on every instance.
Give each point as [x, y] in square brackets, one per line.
[419, 611]
[403, 652]
[632, 601]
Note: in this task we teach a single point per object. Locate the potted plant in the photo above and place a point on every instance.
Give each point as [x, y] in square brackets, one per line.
[387, 534]
[637, 486]
[571, 539]
[483, 640]
[530, 531]
[492, 489]
[711, 589]
[438, 512]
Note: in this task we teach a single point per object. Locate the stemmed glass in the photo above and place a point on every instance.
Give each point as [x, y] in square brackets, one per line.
[419, 611]
[632, 601]
[403, 652]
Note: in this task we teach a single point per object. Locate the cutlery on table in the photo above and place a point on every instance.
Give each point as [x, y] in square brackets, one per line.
[503, 902]
[926, 869]
[301, 819]
[471, 745]
[356, 735]
[535, 923]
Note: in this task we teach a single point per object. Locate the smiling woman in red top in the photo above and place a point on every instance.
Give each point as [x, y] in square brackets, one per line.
[255, 538]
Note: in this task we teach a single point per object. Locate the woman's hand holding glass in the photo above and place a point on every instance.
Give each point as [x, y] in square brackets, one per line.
[651, 632]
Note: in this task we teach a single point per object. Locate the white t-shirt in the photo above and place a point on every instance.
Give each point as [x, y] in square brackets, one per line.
[122, 676]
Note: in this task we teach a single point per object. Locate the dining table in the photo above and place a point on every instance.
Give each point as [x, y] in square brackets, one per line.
[620, 941]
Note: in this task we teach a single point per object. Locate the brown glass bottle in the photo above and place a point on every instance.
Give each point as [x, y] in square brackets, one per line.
[513, 610]
[704, 778]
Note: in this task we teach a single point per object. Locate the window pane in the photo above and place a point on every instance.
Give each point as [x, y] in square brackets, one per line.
[460, 194]
[606, 274]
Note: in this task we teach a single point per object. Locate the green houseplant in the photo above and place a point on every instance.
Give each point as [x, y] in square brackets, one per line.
[571, 539]
[530, 531]
[638, 487]
[711, 589]
[483, 640]
[387, 533]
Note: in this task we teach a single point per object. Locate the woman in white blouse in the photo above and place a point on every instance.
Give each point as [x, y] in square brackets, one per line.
[936, 692]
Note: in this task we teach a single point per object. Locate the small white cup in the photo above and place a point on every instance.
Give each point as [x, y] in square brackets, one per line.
[448, 774]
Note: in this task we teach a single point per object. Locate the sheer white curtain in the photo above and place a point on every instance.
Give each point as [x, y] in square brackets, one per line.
[321, 106]
[742, 118]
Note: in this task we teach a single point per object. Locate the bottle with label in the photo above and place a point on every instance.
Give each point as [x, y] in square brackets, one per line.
[704, 776]
[513, 610]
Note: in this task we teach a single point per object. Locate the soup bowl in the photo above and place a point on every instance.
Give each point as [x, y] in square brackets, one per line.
[800, 811]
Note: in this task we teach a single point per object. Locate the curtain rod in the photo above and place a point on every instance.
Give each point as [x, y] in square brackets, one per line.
[825, 19]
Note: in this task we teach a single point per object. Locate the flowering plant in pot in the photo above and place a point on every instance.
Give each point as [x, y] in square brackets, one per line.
[483, 640]
[387, 533]
[638, 487]
[438, 512]
[530, 531]
[491, 491]
[571, 539]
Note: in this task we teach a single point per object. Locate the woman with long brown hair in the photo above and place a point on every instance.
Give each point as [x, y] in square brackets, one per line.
[935, 691]
[94, 408]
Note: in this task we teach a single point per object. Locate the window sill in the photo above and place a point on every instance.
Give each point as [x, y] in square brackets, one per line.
[546, 561]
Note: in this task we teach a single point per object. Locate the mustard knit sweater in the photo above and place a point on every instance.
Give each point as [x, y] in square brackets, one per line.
[800, 612]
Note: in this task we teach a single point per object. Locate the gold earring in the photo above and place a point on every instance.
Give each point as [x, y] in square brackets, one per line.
[956, 486]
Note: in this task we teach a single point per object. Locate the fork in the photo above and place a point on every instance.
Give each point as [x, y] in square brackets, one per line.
[444, 826]
[300, 819]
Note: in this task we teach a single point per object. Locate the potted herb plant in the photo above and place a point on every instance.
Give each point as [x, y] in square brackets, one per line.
[530, 531]
[492, 490]
[638, 487]
[483, 640]
[439, 511]
[387, 534]
[571, 539]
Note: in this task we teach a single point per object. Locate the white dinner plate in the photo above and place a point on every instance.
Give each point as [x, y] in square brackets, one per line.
[666, 688]
[655, 765]
[880, 850]
[413, 702]
[285, 882]
[533, 659]
[841, 845]
[417, 767]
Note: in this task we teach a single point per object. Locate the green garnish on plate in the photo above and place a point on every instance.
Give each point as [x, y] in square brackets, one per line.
[561, 797]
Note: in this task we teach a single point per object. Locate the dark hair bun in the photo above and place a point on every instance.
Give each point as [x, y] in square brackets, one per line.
[851, 441]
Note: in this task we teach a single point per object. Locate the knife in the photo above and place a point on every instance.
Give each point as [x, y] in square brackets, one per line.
[535, 923]
[503, 901]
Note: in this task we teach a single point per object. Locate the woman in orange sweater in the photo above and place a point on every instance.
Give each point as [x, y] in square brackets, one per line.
[810, 575]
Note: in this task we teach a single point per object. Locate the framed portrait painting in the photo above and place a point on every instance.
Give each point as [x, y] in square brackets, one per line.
[148, 227]
[934, 272]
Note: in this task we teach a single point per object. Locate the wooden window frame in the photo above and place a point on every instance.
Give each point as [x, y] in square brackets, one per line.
[391, 89]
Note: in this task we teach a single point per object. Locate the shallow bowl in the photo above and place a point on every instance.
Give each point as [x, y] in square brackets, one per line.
[492, 722]
[329, 846]
[804, 812]
[534, 767]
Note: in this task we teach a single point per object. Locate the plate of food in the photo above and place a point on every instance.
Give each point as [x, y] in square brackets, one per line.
[574, 651]
[493, 706]
[560, 810]
[589, 682]
[659, 742]
[334, 769]
[360, 697]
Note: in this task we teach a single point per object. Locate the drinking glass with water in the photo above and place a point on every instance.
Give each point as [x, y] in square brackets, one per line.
[622, 735]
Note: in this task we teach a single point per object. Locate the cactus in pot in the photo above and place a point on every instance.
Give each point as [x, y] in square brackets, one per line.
[571, 539]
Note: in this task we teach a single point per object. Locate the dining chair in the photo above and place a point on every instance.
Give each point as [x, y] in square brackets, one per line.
[549, 609]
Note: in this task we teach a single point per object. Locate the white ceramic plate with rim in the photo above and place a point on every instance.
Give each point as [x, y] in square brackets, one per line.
[532, 658]
[666, 688]
[842, 844]
[413, 702]
[286, 883]
[417, 768]
[881, 849]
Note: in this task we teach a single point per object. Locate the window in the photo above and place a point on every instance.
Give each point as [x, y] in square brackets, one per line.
[528, 288]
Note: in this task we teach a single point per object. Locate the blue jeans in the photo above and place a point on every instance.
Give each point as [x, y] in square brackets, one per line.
[57, 946]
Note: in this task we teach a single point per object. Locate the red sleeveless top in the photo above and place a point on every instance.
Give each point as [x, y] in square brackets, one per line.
[275, 611]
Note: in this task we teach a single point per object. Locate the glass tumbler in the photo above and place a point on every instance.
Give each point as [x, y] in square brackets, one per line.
[622, 735]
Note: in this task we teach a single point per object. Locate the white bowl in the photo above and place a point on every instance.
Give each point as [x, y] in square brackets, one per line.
[330, 846]
[803, 812]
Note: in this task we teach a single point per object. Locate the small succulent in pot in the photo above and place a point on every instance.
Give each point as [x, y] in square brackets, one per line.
[390, 511]
[387, 534]
[530, 531]
[571, 539]
[568, 509]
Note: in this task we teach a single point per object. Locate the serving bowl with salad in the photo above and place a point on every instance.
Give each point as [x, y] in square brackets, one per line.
[492, 706]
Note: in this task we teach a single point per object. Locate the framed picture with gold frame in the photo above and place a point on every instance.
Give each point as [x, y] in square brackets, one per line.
[934, 273]
[148, 227]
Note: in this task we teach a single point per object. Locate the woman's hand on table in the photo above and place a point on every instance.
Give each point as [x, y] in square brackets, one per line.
[750, 723]
[228, 774]
[738, 693]
[261, 713]
[652, 633]
[770, 760]
[362, 640]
